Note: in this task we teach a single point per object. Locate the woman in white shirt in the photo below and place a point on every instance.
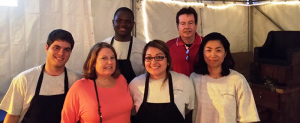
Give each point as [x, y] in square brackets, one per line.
[161, 95]
[222, 94]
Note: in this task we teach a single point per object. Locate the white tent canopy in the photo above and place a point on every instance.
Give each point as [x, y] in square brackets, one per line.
[24, 29]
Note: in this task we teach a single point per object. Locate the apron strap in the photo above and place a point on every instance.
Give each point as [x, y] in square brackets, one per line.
[66, 81]
[112, 41]
[171, 91]
[129, 49]
[40, 80]
[170, 87]
[38, 86]
[146, 88]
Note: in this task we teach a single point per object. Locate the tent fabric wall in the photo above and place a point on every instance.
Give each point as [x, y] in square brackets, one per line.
[232, 22]
[103, 13]
[285, 15]
[24, 30]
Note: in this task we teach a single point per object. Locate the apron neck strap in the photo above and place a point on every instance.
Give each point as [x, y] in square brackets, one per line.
[146, 91]
[40, 80]
[129, 49]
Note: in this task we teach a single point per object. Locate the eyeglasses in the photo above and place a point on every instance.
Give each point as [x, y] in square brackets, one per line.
[187, 53]
[157, 58]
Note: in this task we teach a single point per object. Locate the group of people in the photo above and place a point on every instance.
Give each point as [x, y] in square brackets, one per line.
[187, 79]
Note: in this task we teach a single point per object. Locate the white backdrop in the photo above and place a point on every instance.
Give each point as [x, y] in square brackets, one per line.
[103, 14]
[24, 29]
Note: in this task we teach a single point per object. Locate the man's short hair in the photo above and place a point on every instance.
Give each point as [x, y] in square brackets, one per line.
[188, 10]
[60, 34]
[124, 9]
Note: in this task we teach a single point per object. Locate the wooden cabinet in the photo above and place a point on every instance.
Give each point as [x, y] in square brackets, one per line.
[277, 104]
[267, 99]
[274, 104]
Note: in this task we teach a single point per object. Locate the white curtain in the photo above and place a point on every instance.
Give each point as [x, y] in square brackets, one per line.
[24, 30]
[103, 14]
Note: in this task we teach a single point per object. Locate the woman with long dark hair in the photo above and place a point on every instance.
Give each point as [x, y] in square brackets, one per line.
[222, 94]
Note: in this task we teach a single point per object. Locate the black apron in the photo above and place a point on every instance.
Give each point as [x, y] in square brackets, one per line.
[125, 65]
[159, 112]
[46, 108]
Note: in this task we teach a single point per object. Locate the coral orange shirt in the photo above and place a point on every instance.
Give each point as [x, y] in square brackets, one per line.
[81, 103]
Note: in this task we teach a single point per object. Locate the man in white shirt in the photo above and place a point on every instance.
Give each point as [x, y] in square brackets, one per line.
[37, 94]
[129, 49]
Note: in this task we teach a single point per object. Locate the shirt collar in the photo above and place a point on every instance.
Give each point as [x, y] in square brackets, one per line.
[197, 41]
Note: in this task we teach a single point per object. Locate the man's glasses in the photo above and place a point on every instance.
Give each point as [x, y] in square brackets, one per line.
[157, 58]
[187, 53]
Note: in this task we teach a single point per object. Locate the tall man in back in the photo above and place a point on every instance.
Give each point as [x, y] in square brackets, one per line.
[129, 49]
[184, 48]
[37, 94]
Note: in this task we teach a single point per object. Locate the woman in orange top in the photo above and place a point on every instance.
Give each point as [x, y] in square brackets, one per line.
[102, 95]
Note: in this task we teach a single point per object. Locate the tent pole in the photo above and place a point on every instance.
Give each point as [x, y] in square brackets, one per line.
[133, 8]
[277, 25]
[250, 28]
[201, 22]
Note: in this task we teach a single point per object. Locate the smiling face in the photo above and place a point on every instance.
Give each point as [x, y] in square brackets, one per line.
[187, 26]
[105, 62]
[58, 53]
[123, 23]
[157, 69]
[214, 54]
